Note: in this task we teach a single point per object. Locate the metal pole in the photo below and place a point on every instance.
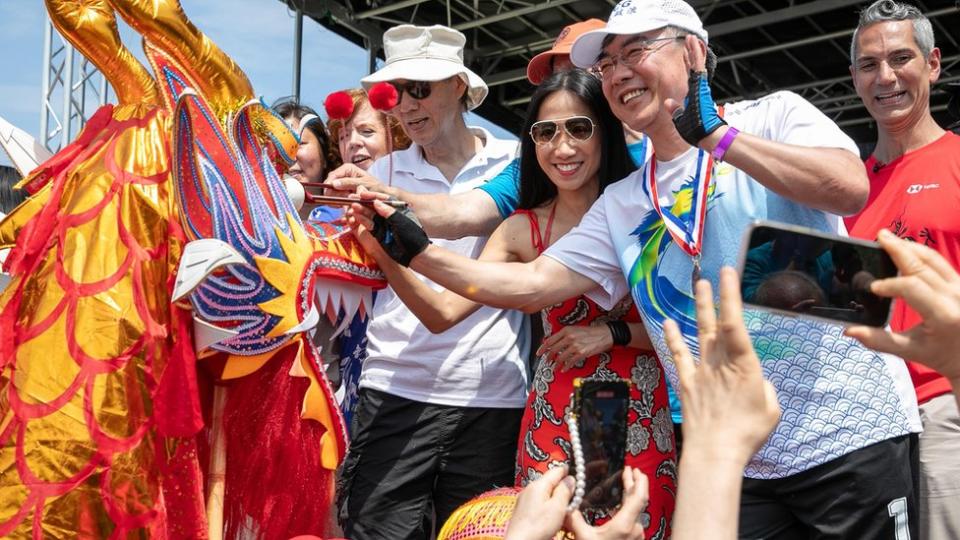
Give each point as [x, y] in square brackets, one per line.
[65, 120]
[297, 53]
[817, 39]
[45, 95]
[372, 58]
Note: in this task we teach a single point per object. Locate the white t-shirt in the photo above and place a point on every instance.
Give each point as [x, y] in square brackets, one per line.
[836, 395]
[480, 362]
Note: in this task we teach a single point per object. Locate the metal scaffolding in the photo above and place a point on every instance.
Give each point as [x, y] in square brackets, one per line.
[798, 45]
[763, 45]
[73, 89]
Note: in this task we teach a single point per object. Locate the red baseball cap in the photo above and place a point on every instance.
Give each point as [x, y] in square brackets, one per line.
[539, 67]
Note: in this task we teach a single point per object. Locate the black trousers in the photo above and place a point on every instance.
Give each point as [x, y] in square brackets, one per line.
[410, 461]
[868, 493]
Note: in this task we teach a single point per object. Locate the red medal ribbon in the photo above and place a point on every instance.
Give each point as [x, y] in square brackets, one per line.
[686, 230]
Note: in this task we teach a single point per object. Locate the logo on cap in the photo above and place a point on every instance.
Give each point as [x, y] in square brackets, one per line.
[624, 8]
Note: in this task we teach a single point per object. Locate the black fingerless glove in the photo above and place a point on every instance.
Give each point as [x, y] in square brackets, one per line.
[401, 235]
[698, 117]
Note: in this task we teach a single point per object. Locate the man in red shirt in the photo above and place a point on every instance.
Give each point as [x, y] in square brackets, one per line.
[915, 193]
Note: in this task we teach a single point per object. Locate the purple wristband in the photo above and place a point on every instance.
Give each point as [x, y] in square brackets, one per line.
[725, 142]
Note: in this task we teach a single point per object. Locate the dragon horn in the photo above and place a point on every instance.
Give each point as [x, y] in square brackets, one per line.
[247, 136]
[164, 24]
[92, 29]
[201, 152]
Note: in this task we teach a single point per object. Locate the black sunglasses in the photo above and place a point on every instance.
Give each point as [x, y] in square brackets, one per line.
[579, 128]
[416, 89]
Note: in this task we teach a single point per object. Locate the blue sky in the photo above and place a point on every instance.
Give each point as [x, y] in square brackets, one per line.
[257, 34]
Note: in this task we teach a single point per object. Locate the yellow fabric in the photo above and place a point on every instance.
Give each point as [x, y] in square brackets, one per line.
[485, 517]
[88, 324]
[14, 221]
[78, 441]
[316, 407]
[285, 277]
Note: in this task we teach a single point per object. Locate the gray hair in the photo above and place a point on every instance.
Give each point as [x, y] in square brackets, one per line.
[891, 10]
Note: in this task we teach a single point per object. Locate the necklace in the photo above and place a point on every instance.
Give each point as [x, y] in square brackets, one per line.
[580, 474]
[686, 229]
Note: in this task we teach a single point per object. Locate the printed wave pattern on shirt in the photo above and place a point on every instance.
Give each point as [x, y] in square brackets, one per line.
[835, 395]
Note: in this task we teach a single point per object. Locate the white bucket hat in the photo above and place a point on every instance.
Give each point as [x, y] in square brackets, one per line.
[426, 53]
[636, 17]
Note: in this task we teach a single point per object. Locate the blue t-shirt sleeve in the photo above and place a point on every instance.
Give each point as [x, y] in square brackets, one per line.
[325, 213]
[504, 188]
[638, 152]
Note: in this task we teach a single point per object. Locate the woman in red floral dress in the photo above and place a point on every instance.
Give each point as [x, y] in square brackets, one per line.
[574, 329]
[575, 148]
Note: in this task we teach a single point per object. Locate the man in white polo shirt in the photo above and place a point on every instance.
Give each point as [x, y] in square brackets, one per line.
[438, 415]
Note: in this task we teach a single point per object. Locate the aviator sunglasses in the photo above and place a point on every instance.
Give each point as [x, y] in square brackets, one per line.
[416, 89]
[578, 128]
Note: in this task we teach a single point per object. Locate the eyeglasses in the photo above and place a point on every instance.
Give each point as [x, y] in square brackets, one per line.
[578, 128]
[416, 89]
[630, 55]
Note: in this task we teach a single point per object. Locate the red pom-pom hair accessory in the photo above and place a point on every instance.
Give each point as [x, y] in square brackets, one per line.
[339, 105]
[383, 96]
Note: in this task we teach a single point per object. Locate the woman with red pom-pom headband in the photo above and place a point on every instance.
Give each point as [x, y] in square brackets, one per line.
[362, 131]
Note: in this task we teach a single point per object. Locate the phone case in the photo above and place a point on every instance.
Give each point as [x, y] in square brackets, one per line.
[745, 247]
[578, 384]
[612, 441]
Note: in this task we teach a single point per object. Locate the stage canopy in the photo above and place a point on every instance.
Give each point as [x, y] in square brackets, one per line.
[763, 45]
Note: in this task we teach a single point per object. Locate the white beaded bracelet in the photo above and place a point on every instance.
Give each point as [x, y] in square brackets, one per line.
[580, 474]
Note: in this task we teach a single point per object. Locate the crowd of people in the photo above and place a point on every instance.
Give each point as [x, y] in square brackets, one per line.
[620, 270]
[627, 199]
[617, 219]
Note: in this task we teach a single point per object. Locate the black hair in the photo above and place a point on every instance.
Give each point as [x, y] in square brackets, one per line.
[615, 162]
[10, 198]
[331, 152]
[289, 106]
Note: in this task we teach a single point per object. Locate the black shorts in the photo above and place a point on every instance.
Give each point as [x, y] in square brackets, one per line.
[868, 493]
[410, 461]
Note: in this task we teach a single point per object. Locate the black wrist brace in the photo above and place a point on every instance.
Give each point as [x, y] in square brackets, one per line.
[400, 235]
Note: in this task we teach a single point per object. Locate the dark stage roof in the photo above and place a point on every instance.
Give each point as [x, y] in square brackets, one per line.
[763, 45]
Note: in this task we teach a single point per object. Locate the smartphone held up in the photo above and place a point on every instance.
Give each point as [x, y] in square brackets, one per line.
[802, 272]
[601, 408]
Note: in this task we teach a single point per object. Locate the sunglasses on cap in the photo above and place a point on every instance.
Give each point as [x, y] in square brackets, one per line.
[578, 128]
[416, 89]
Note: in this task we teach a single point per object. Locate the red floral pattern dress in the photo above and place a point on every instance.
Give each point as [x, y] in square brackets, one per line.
[544, 437]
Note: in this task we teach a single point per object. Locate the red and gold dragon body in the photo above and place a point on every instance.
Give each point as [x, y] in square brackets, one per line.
[157, 258]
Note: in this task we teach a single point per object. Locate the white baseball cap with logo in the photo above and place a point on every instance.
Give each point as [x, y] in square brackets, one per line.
[426, 53]
[636, 17]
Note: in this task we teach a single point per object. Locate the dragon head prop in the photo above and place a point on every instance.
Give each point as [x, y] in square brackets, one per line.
[254, 275]
[174, 187]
